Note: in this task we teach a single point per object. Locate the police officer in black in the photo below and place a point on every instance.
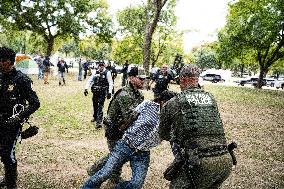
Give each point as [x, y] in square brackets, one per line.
[101, 86]
[17, 102]
[162, 79]
[124, 73]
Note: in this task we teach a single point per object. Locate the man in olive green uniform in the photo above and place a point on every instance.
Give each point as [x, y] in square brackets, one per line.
[192, 121]
[120, 108]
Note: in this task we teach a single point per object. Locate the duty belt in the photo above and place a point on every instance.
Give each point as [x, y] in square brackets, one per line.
[99, 87]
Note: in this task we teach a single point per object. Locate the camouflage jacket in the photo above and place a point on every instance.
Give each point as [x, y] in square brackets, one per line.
[192, 117]
[120, 108]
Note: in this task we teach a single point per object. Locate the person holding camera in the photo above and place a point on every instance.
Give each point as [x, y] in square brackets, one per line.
[17, 102]
[101, 86]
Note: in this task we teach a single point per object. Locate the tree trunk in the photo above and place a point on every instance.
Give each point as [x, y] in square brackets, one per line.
[147, 51]
[149, 30]
[242, 69]
[262, 74]
[50, 43]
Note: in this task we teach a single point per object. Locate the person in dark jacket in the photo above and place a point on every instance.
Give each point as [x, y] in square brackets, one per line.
[86, 68]
[162, 79]
[124, 73]
[17, 102]
[46, 64]
[62, 66]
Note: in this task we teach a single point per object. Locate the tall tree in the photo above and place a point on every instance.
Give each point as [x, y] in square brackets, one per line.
[22, 41]
[93, 48]
[133, 21]
[257, 26]
[52, 19]
[152, 13]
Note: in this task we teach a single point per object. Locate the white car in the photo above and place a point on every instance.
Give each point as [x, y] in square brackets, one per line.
[279, 84]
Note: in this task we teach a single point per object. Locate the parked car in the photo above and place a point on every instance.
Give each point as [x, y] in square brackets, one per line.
[249, 80]
[270, 82]
[279, 84]
[212, 77]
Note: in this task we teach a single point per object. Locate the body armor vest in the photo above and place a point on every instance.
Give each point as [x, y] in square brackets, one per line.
[162, 82]
[100, 80]
[201, 122]
[10, 93]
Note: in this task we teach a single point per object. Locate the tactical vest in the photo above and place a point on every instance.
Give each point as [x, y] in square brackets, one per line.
[100, 81]
[10, 94]
[162, 82]
[201, 123]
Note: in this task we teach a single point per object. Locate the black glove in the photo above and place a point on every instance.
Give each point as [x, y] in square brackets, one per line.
[29, 132]
[108, 95]
[86, 92]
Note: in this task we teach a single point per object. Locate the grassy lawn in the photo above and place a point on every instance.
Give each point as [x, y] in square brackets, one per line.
[68, 143]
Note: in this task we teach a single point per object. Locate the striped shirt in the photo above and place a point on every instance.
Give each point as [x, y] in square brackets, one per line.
[143, 133]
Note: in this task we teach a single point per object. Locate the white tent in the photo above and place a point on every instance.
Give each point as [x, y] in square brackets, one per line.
[27, 66]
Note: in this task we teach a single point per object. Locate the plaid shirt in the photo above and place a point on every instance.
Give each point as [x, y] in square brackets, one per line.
[143, 133]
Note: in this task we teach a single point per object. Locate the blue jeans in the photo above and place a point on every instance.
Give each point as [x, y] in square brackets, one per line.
[139, 163]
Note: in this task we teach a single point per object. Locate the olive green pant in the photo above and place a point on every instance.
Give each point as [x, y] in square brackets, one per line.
[211, 173]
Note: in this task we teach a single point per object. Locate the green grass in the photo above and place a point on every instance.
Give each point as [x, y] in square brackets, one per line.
[68, 143]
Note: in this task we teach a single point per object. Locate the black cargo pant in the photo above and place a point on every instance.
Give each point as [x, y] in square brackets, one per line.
[98, 104]
[8, 141]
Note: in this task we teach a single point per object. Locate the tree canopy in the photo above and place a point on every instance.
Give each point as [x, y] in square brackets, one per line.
[257, 27]
[51, 19]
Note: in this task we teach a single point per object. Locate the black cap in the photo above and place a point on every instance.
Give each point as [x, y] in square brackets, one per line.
[133, 72]
[7, 53]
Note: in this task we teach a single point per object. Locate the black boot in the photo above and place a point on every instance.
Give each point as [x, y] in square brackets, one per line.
[11, 176]
[59, 83]
[64, 81]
